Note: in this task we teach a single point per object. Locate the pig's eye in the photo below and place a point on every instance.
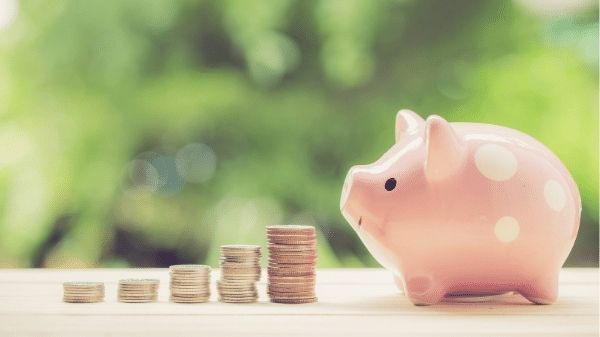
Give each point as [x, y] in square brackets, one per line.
[390, 184]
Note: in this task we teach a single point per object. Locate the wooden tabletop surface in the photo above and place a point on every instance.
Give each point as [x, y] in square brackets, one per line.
[352, 302]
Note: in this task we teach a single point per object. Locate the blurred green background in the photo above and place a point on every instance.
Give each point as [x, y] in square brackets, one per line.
[147, 133]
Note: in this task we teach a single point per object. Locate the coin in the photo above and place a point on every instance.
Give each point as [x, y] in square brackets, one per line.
[189, 283]
[240, 269]
[83, 292]
[137, 290]
[293, 300]
[292, 260]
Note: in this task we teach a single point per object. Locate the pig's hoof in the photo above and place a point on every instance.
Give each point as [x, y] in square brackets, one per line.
[422, 290]
[542, 292]
[538, 300]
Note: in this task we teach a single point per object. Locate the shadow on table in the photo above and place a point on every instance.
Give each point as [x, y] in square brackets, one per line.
[398, 303]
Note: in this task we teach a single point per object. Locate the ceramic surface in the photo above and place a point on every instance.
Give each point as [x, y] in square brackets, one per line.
[465, 209]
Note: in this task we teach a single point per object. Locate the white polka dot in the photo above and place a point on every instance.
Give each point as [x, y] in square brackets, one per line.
[495, 162]
[507, 229]
[555, 195]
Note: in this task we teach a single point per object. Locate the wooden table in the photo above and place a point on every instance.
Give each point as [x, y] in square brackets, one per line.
[352, 302]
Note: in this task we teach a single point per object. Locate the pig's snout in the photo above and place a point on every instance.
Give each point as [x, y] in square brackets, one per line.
[347, 189]
[349, 202]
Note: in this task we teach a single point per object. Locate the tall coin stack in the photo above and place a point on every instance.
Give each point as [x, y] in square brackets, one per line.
[138, 290]
[292, 260]
[240, 269]
[83, 292]
[190, 283]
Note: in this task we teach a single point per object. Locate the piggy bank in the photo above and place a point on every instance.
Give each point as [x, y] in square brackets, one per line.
[465, 209]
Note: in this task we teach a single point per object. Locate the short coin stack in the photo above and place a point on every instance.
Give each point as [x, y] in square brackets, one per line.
[240, 269]
[190, 283]
[138, 290]
[83, 292]
[292, 259]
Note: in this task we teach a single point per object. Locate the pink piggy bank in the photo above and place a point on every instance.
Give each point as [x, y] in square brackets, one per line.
[457, 209]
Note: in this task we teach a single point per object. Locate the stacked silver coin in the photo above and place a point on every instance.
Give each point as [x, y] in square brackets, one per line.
[83, 292]
[240, 269]
[292, 261]
[138, 290]
[190, 283]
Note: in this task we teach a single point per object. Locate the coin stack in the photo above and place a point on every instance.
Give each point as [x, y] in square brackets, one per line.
[292, 259]
[190, 283]
[240, 269]
[83, 292]
[138, 290]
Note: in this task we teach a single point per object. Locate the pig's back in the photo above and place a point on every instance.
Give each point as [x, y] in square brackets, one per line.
[476, 135]
[517, 194]
[480, 133]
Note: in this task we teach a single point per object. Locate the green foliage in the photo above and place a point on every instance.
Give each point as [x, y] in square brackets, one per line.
[148, 133]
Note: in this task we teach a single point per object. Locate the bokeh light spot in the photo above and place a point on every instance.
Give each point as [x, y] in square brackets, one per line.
[142, 173]
[270, 57]
[170, 181]
[196, 162]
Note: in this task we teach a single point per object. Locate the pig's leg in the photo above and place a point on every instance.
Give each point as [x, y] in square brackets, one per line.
[542, 291]
[424, 289]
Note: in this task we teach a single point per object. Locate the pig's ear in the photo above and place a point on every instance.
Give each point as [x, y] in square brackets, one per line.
[407, 121]
[445, 153]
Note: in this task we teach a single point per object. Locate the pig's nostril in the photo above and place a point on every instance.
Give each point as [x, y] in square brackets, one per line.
[359, 221]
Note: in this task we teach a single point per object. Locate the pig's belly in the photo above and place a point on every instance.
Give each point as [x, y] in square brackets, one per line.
[477, 268]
